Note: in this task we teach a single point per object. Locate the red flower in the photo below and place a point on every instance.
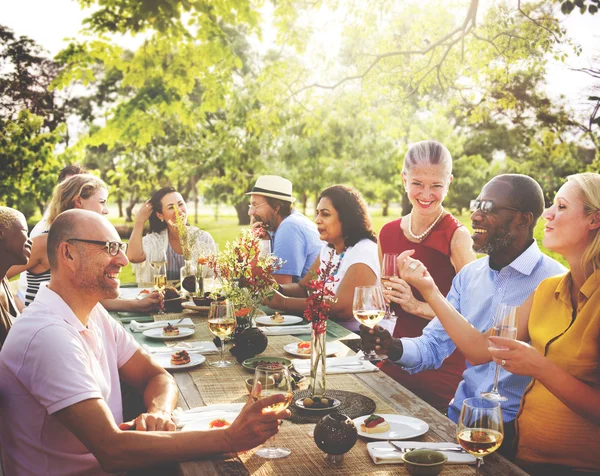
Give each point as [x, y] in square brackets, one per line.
[321, 296]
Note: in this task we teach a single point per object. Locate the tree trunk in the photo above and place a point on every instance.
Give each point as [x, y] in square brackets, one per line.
[241, 209]
[195, 193]
[406, 206]
[129, 210]
[385, 208]
[304, 202]
[120, 205]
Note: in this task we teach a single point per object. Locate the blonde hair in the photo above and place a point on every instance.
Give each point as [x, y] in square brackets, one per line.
[427, 152]
[589, 184]
[65, 193]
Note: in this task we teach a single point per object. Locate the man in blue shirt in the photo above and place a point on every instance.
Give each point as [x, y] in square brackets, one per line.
[295, 237]
[504, 217]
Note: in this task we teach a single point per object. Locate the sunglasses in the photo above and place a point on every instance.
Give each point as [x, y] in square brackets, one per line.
[488, 206]
[112, 247]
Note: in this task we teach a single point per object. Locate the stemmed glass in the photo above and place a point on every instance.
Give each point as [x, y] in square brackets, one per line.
[389, 268]
[221, 323]
[272, 380]
[368, 308]
[158, 263]
[480, 429]
[505, 325]
[265, 249]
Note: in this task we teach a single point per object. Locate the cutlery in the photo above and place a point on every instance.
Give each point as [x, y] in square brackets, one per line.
[405, 449]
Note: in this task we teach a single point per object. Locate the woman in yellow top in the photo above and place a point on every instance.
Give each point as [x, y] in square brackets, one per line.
[558, 424]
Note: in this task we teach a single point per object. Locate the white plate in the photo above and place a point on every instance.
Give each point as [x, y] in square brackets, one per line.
[335, 403]
[156, 333]
[201, 423]
[401, 427]
[164, 360]
[331, 348]
[287, 321]
[193, 307]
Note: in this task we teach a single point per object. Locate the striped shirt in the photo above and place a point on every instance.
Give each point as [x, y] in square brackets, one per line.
[33, 284]
[476, 292]
[175, 262]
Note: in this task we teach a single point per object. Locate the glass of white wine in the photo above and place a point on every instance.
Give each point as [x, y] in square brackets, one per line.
[480, 429]
[158, 263]
[389, 269]
[369, 308]
[505, 325]
[272, 380]
[221, 323]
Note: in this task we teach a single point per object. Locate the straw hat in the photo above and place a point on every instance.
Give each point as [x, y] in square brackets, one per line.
[273, 186]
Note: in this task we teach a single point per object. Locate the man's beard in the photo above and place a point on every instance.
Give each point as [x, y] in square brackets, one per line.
[500, 241]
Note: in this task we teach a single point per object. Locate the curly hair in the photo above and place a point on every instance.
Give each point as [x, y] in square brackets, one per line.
[352, 211]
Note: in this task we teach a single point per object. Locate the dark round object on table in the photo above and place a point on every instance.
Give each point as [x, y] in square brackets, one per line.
[189, 284]
[171, 293]
[202, 301]
[173, 305]
[248, 343]
[335, 434]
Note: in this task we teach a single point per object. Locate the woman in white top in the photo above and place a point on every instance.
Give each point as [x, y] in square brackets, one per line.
[344, 224]
[163, 236]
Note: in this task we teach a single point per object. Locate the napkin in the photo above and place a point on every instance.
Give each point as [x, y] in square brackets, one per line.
[381, 452]
[337, 365]
[191, 347]
[224, 410]
[139, 327]
[285, 330]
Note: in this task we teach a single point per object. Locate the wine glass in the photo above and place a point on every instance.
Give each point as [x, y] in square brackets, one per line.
[389, 268]
[158, 263]
[265, 249]
[480, 429]
[505, 325]
[272, 380]
[221, 323]
[368, 308]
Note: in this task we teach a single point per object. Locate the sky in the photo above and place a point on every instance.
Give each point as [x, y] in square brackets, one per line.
[49, 22]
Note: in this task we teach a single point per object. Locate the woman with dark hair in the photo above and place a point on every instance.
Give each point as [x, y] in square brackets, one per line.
[343, 223]
[164, 237]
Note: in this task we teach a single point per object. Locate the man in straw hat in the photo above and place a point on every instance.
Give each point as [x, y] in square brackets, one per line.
[295, 237]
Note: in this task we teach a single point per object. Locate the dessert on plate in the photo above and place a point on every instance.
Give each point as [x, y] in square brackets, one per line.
[170, 330]
[219, 423]
[180, 358]
[374, 424]
[303, 348]
[278, 318]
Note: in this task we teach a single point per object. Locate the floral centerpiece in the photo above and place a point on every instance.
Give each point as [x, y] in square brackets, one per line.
[319, 301]
[188, 241]
[246, 276]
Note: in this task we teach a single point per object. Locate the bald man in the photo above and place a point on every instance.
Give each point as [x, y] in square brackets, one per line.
[60, 369]
[15, 248]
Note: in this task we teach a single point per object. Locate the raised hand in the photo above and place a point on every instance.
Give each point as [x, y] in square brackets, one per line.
[415, 273]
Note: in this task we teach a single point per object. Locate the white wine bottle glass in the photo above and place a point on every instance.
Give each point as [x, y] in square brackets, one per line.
[272, 380]
[159, 268]
[480, 429]
[505, 325]
[389, 269]
[368, 308]
[221, 323]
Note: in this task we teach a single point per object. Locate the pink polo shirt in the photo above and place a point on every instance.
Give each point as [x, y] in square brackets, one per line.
[50, 361]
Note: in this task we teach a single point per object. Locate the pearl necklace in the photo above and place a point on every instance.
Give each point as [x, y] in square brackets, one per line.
[424, 234]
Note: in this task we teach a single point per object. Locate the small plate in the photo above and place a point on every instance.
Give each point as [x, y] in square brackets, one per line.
[156, 333]
[401, 427]
[164, 360]
[300, 404]
[331, 348]
[190, 305]
[251, 364]
[287, 321]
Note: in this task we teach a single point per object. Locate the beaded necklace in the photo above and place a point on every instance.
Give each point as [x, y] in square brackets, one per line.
[337, 266]
[424, 234]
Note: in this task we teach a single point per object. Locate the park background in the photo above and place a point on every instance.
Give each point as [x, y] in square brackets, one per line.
[206, 95]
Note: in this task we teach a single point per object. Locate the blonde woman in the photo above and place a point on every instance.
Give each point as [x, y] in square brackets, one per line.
[88, 192]
[558, 423]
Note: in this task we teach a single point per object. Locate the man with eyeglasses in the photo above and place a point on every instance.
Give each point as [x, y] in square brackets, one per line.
[61, 364]
[504, 217]
[295, 237]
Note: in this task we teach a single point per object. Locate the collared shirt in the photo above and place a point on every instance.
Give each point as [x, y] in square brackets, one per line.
[476, 292]
[297, 242]
[51, 361]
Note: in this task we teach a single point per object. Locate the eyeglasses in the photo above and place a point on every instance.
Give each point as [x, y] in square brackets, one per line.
[112, 247]
[488, 206]
[253, 208]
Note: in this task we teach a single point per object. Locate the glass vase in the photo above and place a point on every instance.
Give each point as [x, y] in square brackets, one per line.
[318, 354]
[187, 278]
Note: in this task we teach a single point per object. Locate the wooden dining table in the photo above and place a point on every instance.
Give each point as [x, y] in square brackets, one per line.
[206, 385]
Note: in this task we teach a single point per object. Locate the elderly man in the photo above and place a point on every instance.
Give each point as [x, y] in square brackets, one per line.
[60, 369]
[504, 217]
[295, 237]
[15, 248]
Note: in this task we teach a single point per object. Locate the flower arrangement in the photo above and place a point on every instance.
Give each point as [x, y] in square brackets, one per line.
[321, 297]
[186, 237]
[246, 276]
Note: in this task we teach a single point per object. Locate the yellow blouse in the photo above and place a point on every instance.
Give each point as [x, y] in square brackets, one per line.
[547, 430]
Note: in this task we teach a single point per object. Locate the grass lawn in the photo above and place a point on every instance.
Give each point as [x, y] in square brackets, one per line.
[226, 229]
